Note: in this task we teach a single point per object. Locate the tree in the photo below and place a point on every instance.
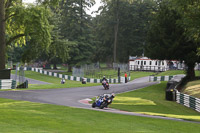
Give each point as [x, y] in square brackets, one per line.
[59, 48]
[19, 23]
[76, 26]
[2, 35]
[190, 21]
[190, 11]
[167, 41]
[133, 23]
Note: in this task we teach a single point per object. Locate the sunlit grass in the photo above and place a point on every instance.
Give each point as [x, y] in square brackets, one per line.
[151, 100]
[187, 117]
[133, 101]
[192, 88]
[21, 116]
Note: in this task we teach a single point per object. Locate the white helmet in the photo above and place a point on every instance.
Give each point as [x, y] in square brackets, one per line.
[113, 94]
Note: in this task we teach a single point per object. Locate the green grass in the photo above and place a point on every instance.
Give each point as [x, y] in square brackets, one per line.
[66, 73]
[151, 100]
[133, 74]
[55, 81]
[139, 74]
[22, 116]
[192, 88]
[176, 72]
[171, 72]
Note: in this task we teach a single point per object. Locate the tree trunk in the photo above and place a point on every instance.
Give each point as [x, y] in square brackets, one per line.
[81, 12]
[190, 73]
[54, 66]
[116, 33]
[2, 35]
[69, 68]
[115, 42]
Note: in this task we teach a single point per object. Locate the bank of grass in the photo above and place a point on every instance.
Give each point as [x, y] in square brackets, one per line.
[54, 82]
[176, 72]
[46, 78]
[22, 116]
[192, 88]
[171, 72]
[139, 74]
[151, 101]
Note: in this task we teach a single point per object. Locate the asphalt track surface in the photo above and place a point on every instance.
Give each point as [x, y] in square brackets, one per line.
[30, 81]
[74, 97]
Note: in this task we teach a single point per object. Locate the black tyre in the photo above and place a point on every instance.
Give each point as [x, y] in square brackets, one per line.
[102, 105]
[94, 105]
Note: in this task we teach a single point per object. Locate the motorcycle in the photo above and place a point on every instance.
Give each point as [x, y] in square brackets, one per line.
[105, 84]
[103, 101]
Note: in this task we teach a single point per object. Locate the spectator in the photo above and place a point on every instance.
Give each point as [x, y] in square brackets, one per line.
[125, 75]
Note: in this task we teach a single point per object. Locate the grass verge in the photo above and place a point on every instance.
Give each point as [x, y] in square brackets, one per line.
[55, 82]
[192, 88]
[151, 101]
[176, 72]
[21, 116]
[171, 72]
[139, 74]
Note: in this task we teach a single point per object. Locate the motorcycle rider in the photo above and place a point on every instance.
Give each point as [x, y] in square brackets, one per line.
[107, 97]
[62, 81]
[104, 78]
[103, 100]
[103, 81]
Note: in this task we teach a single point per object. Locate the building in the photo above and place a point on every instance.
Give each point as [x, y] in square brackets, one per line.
[147, 64]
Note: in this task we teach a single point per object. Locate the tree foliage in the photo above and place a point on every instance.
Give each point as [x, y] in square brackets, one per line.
[190, 11]
[167, 39]
[134, 18]
[23, 23]
[76, 26]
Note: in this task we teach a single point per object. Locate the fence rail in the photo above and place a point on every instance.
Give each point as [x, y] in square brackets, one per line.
[68, 77]
[188, 101]
[147, 68]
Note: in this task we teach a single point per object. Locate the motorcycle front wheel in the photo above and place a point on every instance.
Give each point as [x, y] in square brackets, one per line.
[94, 105]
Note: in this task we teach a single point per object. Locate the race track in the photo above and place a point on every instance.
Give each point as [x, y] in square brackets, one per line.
[72, 96]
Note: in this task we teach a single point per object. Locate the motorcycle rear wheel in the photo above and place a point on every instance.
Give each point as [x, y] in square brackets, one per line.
[102, 105]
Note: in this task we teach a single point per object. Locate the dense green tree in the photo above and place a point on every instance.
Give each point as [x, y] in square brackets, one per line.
[132, 18]
[167, 39]
[59, 48]
[76, 26]
[190, 10]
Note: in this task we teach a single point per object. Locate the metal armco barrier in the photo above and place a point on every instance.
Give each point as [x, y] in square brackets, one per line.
[188, 101]
[7, 84]
[160, 78]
